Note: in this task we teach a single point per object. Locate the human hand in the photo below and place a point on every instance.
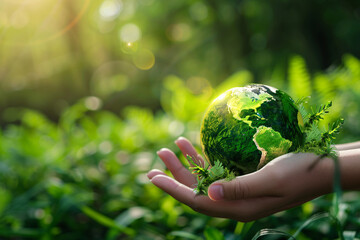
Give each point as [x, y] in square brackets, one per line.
[283, 183]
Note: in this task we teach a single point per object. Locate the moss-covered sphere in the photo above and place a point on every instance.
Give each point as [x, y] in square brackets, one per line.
[246, 127]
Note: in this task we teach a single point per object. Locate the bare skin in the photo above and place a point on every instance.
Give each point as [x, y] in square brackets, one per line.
[284, 183]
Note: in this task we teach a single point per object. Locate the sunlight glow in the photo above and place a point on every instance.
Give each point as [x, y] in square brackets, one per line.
[129, 47]
[4, 21]
[35, 22]
[19, 19]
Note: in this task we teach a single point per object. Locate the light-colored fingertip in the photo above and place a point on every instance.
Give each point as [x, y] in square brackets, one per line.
[159, 180]
[155, 172]
[152, 173]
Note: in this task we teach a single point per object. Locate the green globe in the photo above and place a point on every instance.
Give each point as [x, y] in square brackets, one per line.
[246, 127]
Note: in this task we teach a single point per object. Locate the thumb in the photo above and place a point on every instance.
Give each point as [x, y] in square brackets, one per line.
[243, 187]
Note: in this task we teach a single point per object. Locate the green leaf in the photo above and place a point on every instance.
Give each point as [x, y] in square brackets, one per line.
[272, 232]
[184, 234]
[242, 228]
[213, 234]
[105, 221]
[299, 78]
[4, 199]
[217, 171]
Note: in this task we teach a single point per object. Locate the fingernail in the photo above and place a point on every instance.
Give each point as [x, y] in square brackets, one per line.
[216, 192]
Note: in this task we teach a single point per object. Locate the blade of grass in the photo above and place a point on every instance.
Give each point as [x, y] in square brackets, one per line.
[311, 220]
[185, 235]
[242, 228]
[106, 221]
[212, 233]
[266, 232]
[337, 198]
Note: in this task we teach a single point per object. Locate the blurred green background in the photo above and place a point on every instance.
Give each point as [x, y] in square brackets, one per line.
[91, 89]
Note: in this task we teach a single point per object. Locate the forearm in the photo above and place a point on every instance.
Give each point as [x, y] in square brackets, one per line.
[350, 169]
[348, 146]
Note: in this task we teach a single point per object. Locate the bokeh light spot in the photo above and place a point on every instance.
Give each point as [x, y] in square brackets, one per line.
[93, 103]
[106, 147]
[144, 59]
[110, 9]
[176, 128]
[179, 32]
[130, 33]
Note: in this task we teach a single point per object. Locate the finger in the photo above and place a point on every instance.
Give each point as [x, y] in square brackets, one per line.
[186, 195]
[179, 191]
[188, 149]
[257, 184]
[180, 173]
[155, 172]
[243, 210]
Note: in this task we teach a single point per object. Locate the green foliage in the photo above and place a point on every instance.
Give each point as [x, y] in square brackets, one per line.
[316, 140]
[84, 176]
[85, 45]
[208, 175]
[299, 78]
[74, 168]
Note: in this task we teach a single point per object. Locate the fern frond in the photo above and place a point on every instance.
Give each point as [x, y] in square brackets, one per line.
[318, 115]
[334, 129]
[206, 176]
[196, 168]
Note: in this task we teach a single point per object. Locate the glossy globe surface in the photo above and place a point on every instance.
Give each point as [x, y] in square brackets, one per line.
[246, 127]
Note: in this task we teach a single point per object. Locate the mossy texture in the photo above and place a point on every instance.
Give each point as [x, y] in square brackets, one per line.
[246, 127]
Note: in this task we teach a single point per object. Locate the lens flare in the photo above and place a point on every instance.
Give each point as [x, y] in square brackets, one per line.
[24, 18]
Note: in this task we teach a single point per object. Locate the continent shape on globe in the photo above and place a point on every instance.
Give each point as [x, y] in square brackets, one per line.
[246, 127]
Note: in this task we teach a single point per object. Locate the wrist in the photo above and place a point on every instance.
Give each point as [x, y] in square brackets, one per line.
[349, 161]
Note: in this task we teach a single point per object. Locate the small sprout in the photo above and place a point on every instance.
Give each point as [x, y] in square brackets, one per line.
[317, 141]
[206, 176]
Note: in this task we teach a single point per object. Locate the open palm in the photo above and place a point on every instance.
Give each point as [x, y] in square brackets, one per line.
[284, 183]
